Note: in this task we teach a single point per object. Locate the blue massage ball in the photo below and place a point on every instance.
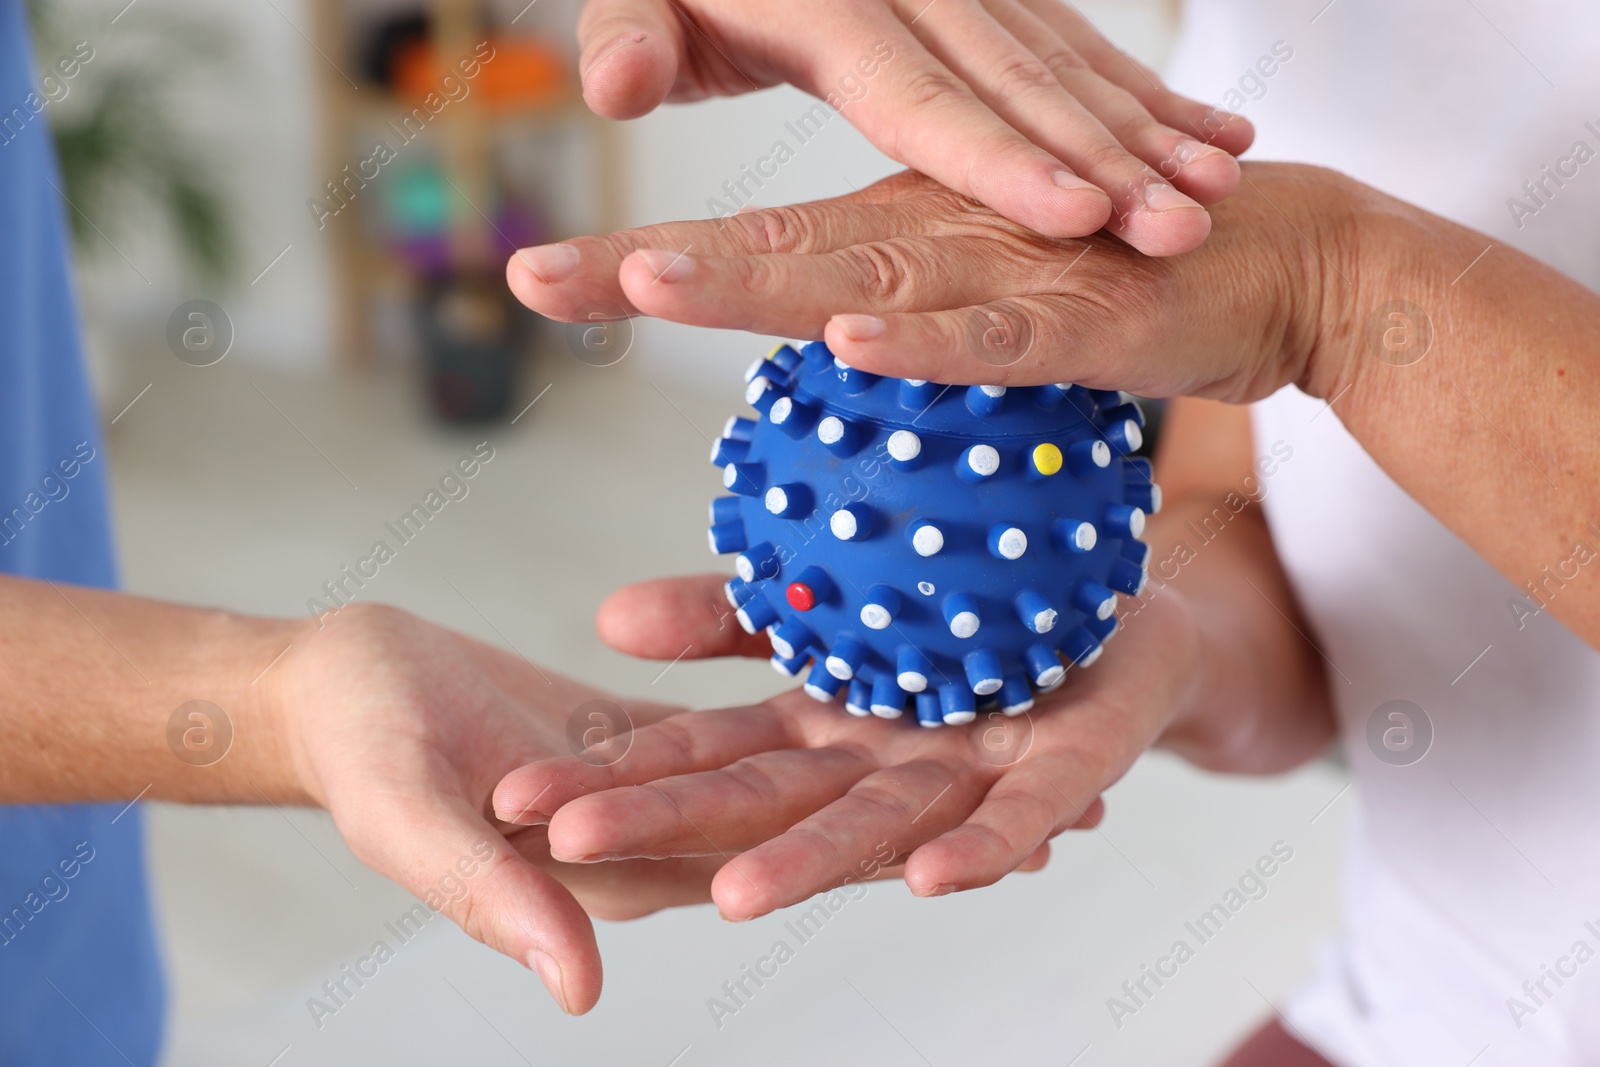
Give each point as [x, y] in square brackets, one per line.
[928, 548]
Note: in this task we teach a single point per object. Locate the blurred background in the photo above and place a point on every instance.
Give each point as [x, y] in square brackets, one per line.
[295, 331]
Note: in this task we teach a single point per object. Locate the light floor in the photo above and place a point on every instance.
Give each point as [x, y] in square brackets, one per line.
[224, 500]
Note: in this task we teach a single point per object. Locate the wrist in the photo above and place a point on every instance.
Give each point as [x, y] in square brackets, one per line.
[1380, 276]
[237, 664]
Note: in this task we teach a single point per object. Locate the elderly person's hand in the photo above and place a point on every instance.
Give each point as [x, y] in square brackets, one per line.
[910, 279]
[799, 797]
[810, 798]
[1468, 371]
[1018, 103]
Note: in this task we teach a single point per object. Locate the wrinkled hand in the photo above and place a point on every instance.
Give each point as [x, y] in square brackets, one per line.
[401, 729]
[798, 797]
[909, 279]
[1021, 104]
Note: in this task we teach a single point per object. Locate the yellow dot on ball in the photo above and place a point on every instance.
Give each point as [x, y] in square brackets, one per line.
[1046, 458]
[774, 351]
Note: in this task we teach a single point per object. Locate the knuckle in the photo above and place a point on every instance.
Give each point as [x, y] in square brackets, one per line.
[777, 229]
[933, 86]
[1109, 155]
[1064, 63]
[882, 271]
[1023, 76]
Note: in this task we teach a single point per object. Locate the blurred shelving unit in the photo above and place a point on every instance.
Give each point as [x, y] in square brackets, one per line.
[502, 161]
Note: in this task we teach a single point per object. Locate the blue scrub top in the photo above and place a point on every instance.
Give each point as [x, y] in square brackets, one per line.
[80, 978]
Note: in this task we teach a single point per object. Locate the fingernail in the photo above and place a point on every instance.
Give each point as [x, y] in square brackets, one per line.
[549, 972]
[524, 818]
[1159, 196]
[597, 857]
[1068, 180]
[861, 327]
[626, 41]
[943, 889]
[732, 919]
[667, 266]
[551, 264]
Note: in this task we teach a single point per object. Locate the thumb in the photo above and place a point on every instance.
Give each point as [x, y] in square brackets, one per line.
[457, 864]
[630, 54]
[670, 618]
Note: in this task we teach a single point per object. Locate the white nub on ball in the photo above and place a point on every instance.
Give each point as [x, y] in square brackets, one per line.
[904, 446]
[984, 460]
[843, 525]
[928, 540]
[992, 391]
[965, 624]
[912, 681]
[1101, 454]
[729, 476]
[1085, 536]
[1134, 435]
[1013, 543]
[1045, 621]
[777, 500]
[781, 409]
[753, 391]
[744, 568]
[831, 429]
[875, 616]
[1136, 522]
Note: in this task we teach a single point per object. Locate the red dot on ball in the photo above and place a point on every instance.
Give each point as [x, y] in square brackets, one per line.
[801, 597]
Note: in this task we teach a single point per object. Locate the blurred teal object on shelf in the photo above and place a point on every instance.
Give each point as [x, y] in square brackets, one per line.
[417, 201]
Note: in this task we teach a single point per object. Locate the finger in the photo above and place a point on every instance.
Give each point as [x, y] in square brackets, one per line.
[792, 296]
[888, 813]
[926, 116]
[686, 744]
[630, 53]
[1229, 132]
[1206, 173]
[1035, 801]
[574, 280]
[673, 618]
[711, 813]
[626, 889]
[430, 843]
[1147, 211]
[1058, 338]
[1038, 861]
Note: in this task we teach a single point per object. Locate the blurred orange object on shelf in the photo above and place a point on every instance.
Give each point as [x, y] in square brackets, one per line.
[513, 72]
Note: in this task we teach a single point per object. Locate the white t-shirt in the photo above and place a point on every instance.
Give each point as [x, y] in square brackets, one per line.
[1475, 869]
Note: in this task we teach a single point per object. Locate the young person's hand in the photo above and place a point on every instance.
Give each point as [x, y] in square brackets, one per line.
[1021, 104]
[798, 797]
[399, 727]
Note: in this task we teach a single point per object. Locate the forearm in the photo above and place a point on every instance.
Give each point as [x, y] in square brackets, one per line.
[1258, 702]
[1493, 429]
[91, 680]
